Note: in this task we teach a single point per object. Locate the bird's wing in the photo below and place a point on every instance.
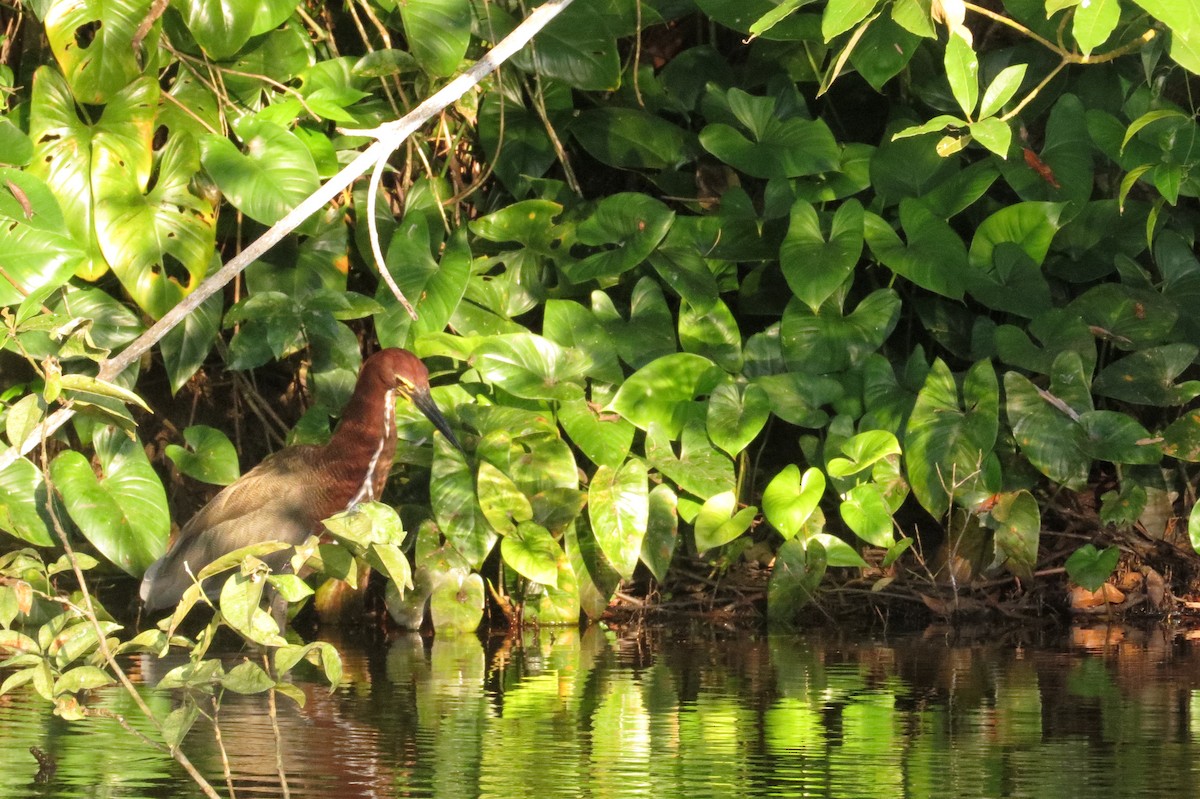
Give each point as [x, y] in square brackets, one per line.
[271, 502]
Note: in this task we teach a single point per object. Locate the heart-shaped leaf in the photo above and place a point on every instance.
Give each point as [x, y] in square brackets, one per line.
[532, 367]
[662, 391]
[618, 507]
[438, 32]
[274, 174]
[948, 442]
[209, 458]
[832, 342]
[1090, 568]
[736, 414]
[789, 499]
[533, 553]
[123, 513]
[815, 266]
[719, 521]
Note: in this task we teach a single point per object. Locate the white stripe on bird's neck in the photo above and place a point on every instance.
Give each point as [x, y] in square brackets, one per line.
[366, 492]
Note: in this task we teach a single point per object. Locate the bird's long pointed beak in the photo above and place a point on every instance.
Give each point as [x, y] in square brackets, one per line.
[424, 402]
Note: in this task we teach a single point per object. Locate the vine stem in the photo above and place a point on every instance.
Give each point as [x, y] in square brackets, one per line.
[388, 138]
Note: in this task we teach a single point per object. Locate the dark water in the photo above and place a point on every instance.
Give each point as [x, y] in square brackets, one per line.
[696, 713]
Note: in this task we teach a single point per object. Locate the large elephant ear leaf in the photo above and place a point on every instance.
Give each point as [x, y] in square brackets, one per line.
[272, 177]
[123, 512]
[93, 43]
[159, 240]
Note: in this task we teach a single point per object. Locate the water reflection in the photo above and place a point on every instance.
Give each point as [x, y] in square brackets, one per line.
[670, 713]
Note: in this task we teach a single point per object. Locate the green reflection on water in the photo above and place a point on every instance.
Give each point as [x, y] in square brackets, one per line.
[672, 714]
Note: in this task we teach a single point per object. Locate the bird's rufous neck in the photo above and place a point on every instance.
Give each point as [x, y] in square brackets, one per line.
[364, 442]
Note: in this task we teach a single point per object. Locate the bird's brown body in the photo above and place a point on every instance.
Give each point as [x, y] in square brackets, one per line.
[286, 497]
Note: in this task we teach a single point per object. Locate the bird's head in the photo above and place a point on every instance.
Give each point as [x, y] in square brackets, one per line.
[404, 373]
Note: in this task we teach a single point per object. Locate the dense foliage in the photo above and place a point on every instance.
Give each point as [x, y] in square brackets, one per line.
[677, 262]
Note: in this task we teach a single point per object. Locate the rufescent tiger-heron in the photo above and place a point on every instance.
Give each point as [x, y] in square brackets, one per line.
[286, 497]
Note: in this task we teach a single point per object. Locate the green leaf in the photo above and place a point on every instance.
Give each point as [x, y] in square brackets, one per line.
[317, 652]
[123, 513]
[456, 604]
[533, 553]
[391, 562]
[915, 16]
[220, 28]
[789, 500]
[40, 252]
[1018, 523]
[248, 678]
[502, 503]
[962, 70]
[719, 521]
[625, 228]
[993, 134]
[776, 15]
[700, 468]
[833, 342]
[571, 325]
[272, 177]
[663, 391]
[862, 452]
[842, 15]
[1181, 439]
[662, 530]
[529, 366]
[178, 722]
[438, 32]
[365, 524]
[799, 567]
[452, 495]
[1131, 318]
[1094, 22]
[1090, 568]
[577, 48]
[82, 678]
[938, 123]
[712, 333]
[736, 415]
[103, 62]
[186, 346]
[210, 457]
[1149, 118]
[629, 138]
[618, 507]
[934, 258]
[948, 442]
[780, 148]
[1002, 89]
[157, 235]
[290, 587]
[865, 511]
[815, 267]
[1118, 438]
[604, 438]
[1046, 433]
[240, 603]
